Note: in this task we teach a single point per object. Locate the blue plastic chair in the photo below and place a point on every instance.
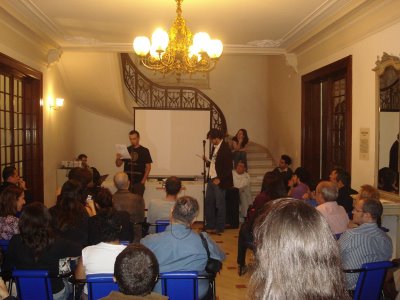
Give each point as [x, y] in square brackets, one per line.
[179, 285]
[161, 225]
[370, 281]
[4, 245]
[33, 284]
[100, 285]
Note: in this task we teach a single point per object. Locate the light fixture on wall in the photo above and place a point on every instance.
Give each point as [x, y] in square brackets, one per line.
[56, 104]
[179, 51]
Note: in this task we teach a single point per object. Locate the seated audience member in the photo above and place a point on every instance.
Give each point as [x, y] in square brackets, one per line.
[366, 243]
[335, 215]
[272, 188]
[298, 188]
[136, 270]
[103, 203]
[387, 180]
[11, 202]
[368, 191]
[160, 209]
[84, 177]
[241, 181]
[283, 169]
[11, 178]
[296, 256]
[37, 248]
[343, 181]
[84, 160]
[124, 200]
[69, 216]
[179, 248]
[239, 142]
[100, 258]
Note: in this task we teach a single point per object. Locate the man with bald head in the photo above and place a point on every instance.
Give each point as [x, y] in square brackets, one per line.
[335, 215]
[124, 200]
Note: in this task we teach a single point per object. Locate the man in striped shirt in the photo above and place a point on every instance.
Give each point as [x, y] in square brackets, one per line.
[366, 243]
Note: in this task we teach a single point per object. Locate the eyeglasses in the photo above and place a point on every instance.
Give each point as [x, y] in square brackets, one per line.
[357, 210]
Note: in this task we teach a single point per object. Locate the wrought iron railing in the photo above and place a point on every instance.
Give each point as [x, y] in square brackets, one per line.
[151, 95]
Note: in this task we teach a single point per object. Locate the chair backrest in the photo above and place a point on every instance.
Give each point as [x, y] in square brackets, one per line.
[180, 285]
[370, 282]
[4, 245]
[161, 225]
[33, 284]
[100, 285]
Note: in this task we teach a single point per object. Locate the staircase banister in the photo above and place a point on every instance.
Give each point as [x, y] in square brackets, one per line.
[147, 93]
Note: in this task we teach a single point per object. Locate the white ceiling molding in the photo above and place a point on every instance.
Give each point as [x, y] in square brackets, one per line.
[291, 61]
[30, 15]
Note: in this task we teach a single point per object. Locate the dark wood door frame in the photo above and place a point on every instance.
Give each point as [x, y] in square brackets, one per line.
[326, 74]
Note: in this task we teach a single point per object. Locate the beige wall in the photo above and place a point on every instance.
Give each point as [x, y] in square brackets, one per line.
[364, 52]
[58, 132]
[239, 86]
[283, 110]
[96, 136]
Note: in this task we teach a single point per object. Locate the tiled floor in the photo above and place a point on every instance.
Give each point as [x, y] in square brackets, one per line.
[229, 285]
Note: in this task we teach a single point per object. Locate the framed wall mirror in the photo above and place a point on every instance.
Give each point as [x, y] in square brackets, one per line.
[388, 109]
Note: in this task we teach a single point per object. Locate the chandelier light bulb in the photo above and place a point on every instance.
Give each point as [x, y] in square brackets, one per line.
[194, 51]
[160, 39]
[141, 45]
[214, 48]
[154, 53]
[201, 40]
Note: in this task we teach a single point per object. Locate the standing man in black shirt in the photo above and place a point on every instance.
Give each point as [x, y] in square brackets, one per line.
[139, 166]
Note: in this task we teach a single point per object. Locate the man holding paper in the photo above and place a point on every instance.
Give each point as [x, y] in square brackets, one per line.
[137, 162]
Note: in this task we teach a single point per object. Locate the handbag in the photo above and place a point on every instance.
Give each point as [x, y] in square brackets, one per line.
[213, 265]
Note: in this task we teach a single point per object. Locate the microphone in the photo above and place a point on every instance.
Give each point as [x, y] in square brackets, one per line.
[204, 142]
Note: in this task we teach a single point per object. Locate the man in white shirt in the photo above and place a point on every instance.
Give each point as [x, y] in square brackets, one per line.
[241, 181]
[335, 215]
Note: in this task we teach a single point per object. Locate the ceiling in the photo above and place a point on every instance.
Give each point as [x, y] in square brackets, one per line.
[253, 25]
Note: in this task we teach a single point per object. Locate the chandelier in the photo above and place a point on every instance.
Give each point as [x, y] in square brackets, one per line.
[179, 51]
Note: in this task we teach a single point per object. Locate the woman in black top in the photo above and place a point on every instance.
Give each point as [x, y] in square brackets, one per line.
[69, 216]
[103, 204]
[37, 248]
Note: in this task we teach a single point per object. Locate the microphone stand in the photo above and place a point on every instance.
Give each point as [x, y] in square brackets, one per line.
[204, 186]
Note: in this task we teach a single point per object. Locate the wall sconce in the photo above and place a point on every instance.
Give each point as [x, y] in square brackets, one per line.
[56, 105]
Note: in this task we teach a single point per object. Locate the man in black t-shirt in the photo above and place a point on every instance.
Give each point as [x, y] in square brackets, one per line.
[139, 166]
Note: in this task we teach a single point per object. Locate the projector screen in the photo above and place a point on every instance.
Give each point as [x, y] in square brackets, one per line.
[174, 138]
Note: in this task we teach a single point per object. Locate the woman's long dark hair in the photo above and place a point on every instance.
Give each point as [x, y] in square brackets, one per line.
[8, 200]
[273, 186]
[70, 210]
[35, 228]
[245, 137]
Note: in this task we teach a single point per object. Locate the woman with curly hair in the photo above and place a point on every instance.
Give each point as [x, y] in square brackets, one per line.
[37, 248]
[12, 200]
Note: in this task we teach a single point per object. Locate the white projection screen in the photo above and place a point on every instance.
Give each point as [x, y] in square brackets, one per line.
[173, 137]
